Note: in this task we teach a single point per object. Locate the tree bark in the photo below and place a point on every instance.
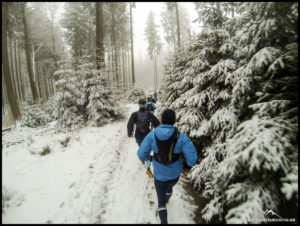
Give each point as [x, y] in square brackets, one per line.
[154, 70]
[123, 62]
[46, 84]
[4, 96]
[11, 66]
[178, 26]
[38, 80]
[115, 57]
[99, 36]
[156, 84]
[17, 71]
[131, 39]
[20, 73]
[28, 55]
[53, 39]
[5, 64]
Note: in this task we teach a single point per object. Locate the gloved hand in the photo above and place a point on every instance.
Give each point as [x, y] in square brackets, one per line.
[143, 162]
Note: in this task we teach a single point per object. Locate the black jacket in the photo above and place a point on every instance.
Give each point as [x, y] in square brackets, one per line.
[133, 119]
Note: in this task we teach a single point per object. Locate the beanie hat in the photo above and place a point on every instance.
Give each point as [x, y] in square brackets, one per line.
[168, 117]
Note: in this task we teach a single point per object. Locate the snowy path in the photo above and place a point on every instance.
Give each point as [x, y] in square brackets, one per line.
[95, 178]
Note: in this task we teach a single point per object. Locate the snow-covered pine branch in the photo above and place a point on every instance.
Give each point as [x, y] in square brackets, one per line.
[241, 110]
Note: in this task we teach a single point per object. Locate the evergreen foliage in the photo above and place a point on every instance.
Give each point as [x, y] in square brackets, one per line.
[152, 36]
[235, 93]
[34, 116]
[168, 21]
[136, 93]
[83, 98]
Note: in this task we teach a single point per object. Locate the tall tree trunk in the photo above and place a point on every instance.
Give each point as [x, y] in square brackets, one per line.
[38, 81]
[11, 66]
[43, 82]
[53, 41]
[76, 49]
[5, 64]
[49, 85]
[154, 76]
[33, 64]
[123, 62]
[99, 36]
[178, 26]
[114, 46]
[20, 73]
[4, 95]
[46, 84]
[16, 69]
[35, 70]
[156, 84]
[28, 56]
[90, 38]
[131, 40]
[219, 9]
[128, 65]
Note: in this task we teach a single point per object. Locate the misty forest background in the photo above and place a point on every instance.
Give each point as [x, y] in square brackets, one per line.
[233, 85]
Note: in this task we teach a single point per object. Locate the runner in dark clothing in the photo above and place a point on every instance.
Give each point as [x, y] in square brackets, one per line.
[141, 119]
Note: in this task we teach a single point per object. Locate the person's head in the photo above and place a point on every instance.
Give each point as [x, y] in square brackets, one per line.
[141, 103]
[149, 99]
[168, 117]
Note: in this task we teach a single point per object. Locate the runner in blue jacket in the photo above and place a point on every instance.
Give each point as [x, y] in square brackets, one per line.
[166, 175]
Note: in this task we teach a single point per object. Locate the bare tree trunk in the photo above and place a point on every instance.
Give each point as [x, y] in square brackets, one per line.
[153, 61]
[28, 56]
[115, 56]
[53, 39]
[132, 53]
[232, 9]
[5, 64]
[10, 54]
[4, 96]
[38, 81]
[178, 27]
[20, 73]
[129, 69]
[90, 38]
[155, 79]
[17, 71]
[46, 85]
[99, 36]
[123, 62]
[43, 82]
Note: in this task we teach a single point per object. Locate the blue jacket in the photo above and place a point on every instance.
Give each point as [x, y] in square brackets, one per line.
[184, 144]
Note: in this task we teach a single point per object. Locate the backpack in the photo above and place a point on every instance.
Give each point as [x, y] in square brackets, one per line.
[143, 122]
[165, 153]
[149, 107]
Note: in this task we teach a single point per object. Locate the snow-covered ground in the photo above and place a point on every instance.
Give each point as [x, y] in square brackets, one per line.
[92, 176]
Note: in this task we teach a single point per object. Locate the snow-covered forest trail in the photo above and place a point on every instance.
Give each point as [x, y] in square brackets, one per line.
[95, 178]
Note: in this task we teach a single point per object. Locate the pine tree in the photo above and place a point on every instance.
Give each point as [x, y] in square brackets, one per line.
[154, 43]
[234, 91]
[136, 93]
[83, 98]
[74, 21]
[12, 100]
[169, 24]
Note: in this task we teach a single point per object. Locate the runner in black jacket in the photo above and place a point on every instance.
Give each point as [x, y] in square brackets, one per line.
[139, 136]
